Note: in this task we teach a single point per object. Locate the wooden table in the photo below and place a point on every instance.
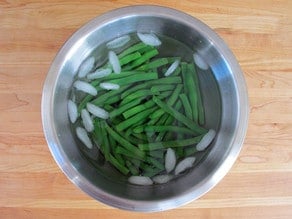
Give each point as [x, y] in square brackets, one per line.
[258, 186]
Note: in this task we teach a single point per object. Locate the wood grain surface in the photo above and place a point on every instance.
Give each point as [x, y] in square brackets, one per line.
[260, 183]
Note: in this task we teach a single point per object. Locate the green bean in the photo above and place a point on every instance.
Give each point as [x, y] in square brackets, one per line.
[168, 136]
[129, 58]
[144, 58]
[190, 151]
[112, 100]
[119, 166]
[108, 107]
[200, 101]
[173, 59]
[157, 153]
[179, 152]
[170, 101]
[147, 92]
[83, 103]
[155, 162]
[141, 137]
[154, 121]
[138, 94]
[176, 72]
[164, 94]
[166, 128]
[153, 64]
[132, 49]
[158, 120]
[177, 106]
[116, 120]
[105, 141]
[96, 134]
[150, 171]
[168, 80]
[187, 122]
[134, 171]
[138, 129]
[138, 108]
[184, 70]
[146, 49]
[121, 150]
[192, 92]
[114, 76]
[120, 159]
[124, 107]
[112, 141]
[125, 143]
[161, 81]
[187, 106]
[135, 78]
[101, 99]
[170, 144]
[134, 119]
[167, 121]
[88, 97]
[136, 162]
[165, 87]
[132, 138]
[113, 145]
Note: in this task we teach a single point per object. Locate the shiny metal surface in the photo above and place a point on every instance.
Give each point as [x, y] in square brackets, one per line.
[225, 99]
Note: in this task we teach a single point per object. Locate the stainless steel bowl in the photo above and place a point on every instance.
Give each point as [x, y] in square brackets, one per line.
[224, 94]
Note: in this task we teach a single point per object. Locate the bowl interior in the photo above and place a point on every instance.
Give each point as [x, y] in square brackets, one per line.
[221, 97]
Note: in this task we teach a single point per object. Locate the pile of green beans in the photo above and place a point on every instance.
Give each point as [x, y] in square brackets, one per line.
[149, 113]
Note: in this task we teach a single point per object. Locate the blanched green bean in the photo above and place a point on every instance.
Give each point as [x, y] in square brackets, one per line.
[124, 107]
[157, 153]
[132, 49]
[192, 93]
[114, 76]
[105, 141]
[134, 119]
[153, 64]
[169, 144]
[164, 128]
[168, 120]
[134, 171]
[149, 84]
[125, 143]
[129, 58]
[127, 153]
[187, 106]
[170, 101]
[119, 166]
[155, 162]
[179, 116]
[200, 100]
[146, 92]
[102, 98]
[165, 87]
[144, 58]
[150, 171]
[135, 78]
[190, 151]
[138, 109]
